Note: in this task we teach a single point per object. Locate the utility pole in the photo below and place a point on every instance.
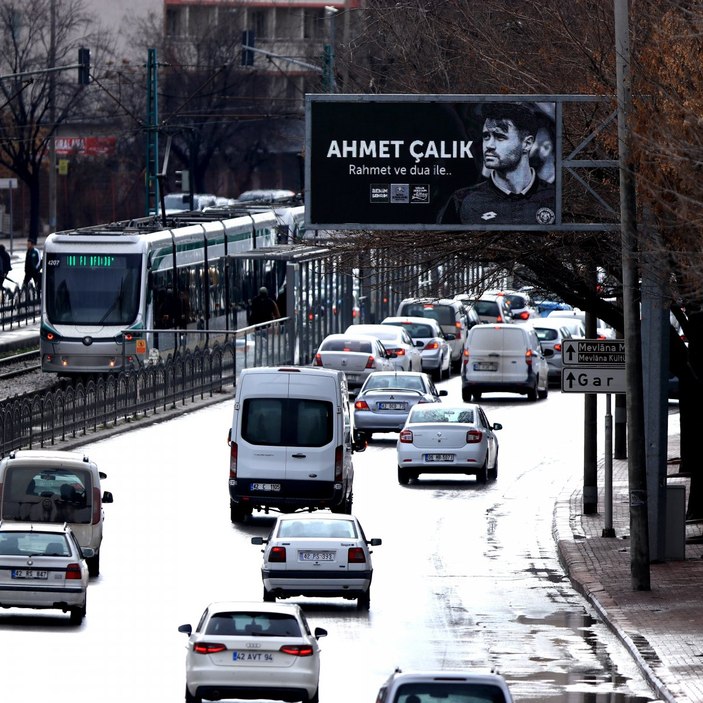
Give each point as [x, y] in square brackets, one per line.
[637, 469]
[52, 120]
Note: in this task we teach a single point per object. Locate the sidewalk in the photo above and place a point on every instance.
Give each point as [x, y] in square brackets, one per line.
[661, 628]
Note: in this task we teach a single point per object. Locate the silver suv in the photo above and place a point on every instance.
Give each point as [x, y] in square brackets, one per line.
[451, 316]
[430, 686]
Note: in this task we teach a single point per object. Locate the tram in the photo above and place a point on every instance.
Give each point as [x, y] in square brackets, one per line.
[107, 290]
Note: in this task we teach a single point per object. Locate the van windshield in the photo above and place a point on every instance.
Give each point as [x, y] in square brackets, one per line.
[287, 422]
[47, 495]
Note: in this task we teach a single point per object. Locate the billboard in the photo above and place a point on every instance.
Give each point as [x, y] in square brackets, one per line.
[432, 162]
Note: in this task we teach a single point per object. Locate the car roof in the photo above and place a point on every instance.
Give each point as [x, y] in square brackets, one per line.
[45, 527]
[404, 374]
[317, 515]
[219, 606]
[410, 319]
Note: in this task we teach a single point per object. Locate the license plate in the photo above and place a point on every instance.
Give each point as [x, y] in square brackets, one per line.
[352, 376]
[265, 487]
[315, 556]
[439, 457]
[29, 574]
[391, 406]
[485, 366]
[252, 657]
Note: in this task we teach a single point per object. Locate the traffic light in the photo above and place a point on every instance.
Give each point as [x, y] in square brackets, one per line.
[248, 40]
[83, 66]
[183, 181]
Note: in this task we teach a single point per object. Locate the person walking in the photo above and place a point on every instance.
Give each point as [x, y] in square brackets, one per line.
[263, 308]
[32, 266]
[5, 264]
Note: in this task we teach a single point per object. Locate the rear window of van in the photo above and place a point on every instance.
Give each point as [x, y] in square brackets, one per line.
[444, 314]
[48, 495]
[287, 422]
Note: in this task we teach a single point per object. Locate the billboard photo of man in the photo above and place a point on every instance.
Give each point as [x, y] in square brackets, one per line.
[512, 192]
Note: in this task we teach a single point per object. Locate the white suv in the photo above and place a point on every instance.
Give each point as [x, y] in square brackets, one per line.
[431, 686]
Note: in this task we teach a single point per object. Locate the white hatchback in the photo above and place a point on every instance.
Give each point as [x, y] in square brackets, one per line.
[252, 650]
[320, 554]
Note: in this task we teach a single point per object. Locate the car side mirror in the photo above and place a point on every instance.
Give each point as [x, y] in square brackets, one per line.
[320, 632]
[497, 426]
[375, 542]
[443, 392]
[87, 552]
[102, 474]
[188, 629]
[419, 343]
[258, 540]
[107, 497]
[449, 337]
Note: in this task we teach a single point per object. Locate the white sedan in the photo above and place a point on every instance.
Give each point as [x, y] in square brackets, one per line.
[395, 339]
[252, 650]
[317, 554]
[442, 439]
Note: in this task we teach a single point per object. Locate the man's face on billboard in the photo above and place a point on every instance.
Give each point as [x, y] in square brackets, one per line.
[503, 147]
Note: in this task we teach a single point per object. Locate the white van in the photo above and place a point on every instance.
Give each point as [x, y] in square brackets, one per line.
[291, 441]
[503, 357]
[38, 485]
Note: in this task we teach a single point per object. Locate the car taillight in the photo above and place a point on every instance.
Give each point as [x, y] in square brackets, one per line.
[499, 318]
[361, 405]
[371, 363]
[73, 571]
[524, 315]
[338, 463]
[317, 361]
[398, 352]
[432, 345]
[557, 347]
[406, 436]
[528, 357]
[356, 555]
[474, 436]
[457, 325]
[297, 650]
[97, 506]
[209, 647]
[233, 453]
[277, 554]
[466, 355]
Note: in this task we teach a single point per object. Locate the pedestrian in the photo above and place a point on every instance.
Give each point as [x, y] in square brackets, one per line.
[263, 308]
[32, 266]
[5, 264]
[512, 192]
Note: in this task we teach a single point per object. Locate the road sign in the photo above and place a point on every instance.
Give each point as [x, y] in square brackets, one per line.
[601, 353]
[6, 183]
[593, 380]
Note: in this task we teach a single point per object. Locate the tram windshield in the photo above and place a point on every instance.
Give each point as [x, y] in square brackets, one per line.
[92, 288]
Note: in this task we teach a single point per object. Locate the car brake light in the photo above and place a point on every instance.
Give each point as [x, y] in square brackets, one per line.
[233, 452]
[338, 463]
[466, 355]
[73, 571]
[524, 315]
[97, 506]
[317, 360]
[361, 405]
[432, 345]
[297, 650]
[277, 554]
[528, 357]
[398, 352]
[557, 347]
[208, 647]
[457, 325]
[406, 436]
[499, 318]
[474, 436]
[356, 555]
[370, 363]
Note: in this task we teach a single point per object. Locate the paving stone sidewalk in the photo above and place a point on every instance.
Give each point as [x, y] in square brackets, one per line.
[662, 628]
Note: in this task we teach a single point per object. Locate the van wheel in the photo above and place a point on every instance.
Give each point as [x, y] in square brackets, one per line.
[93, 565]
[403, 476]
[237, 513]
[269, 597]
[477, 396]
[466, 395]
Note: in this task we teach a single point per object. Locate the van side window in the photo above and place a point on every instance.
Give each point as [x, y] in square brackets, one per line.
[294, 422]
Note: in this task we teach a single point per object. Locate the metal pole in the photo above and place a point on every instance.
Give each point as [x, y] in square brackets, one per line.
[52, 120]
[639, 532]
[608, 530]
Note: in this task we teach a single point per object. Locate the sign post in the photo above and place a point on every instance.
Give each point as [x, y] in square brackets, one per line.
[597, 366]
